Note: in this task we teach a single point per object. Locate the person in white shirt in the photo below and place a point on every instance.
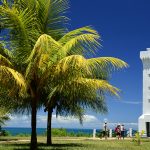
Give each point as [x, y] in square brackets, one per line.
[122, 131]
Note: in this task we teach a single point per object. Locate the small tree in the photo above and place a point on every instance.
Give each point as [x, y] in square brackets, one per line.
[138, 136]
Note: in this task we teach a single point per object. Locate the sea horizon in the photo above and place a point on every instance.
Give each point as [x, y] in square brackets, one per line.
[41, 131]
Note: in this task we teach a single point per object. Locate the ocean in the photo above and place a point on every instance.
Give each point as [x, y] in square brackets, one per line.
[40, 131]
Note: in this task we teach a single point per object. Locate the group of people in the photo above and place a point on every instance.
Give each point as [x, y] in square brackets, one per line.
[119, 130]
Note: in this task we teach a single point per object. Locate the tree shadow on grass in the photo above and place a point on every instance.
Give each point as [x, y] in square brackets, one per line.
[7, 140]
[42, 146]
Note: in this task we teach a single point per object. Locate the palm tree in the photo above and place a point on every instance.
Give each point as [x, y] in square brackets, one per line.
[80, 77]
[46, 60]
[74, 92]
[24, 21]
[34, 64]
[73, 98]
[54, 69]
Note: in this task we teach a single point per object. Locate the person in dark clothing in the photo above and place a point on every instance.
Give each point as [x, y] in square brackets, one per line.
[118, 131]
[105, 130]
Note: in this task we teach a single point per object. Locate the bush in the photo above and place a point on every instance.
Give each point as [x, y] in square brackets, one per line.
[23, 135]
[5, 133]
[99, 134]
[59, 132]
[63, 133]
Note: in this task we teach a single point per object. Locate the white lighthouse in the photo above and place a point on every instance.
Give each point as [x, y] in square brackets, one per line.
[144, 119]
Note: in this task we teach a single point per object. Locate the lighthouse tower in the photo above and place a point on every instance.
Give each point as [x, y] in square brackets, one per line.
[144, 119]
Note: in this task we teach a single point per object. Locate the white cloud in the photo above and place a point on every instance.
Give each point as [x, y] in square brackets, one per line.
[60, 121]
[86, 119]
[90, 121]
[132, 102]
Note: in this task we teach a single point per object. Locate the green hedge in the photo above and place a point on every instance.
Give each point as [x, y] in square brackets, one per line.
[63, 132]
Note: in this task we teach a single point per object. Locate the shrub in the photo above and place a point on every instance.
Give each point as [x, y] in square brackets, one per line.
[23, 135]
[99, 134]
[138, 136]
[5, 133]
[59, 132]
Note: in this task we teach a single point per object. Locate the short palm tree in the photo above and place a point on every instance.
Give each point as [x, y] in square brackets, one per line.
[80, 77]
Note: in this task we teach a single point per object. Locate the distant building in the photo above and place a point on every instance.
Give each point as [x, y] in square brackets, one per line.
[144, 119]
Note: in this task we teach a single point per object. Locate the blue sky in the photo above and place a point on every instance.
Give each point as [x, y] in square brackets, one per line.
[124, 26]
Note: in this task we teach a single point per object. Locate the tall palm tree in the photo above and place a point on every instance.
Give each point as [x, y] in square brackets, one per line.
[23, 21]
[56, 71]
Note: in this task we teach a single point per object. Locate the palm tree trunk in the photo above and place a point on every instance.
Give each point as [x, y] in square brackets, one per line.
[49, 126]
[33, 145]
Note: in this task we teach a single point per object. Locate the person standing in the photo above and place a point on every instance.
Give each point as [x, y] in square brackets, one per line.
[122, 131]
[105, 130]
[118, 131]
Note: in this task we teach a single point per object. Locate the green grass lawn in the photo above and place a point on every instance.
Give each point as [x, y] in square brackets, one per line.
[73, 144]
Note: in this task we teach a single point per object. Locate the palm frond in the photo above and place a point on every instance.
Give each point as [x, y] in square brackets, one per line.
[101, 85]
[80, 41]
[77, 32]
[102, 67]
[24, 4]
[94, 84]
[21, 27]
[84, 90]
[6, 53]
[13, 80]
[44, 45]
[82, 93]
[70, 67]
[4, 61]
[68, 109]
[42, 54]
[78, 66]
[50, 14]
[111, 63]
